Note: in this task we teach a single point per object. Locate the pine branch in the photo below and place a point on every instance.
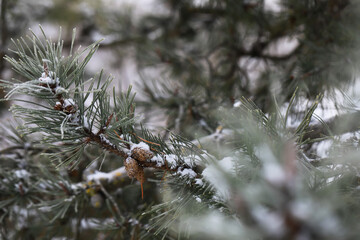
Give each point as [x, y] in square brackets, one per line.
[67, 121]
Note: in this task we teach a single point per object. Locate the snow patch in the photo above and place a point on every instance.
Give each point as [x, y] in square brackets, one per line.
[86, 123]
[189, 161]
[302, 209]
[199, 182]
[237, 104]
[141, 145]
[159, 161]
[46, 80]
[186, 172]
[105, 140]
[227, 164]
[323, 147]
[60, 90]
[171, 160]
[133, 221]
[110, 176]
[271, 222]
[274, 173]
[68, 102]
[214, 173]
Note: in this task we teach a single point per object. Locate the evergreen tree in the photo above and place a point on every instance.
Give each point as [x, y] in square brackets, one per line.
[243, 155]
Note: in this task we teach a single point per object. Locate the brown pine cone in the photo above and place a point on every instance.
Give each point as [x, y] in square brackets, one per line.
[141, 154]
[134, 170]
[132, 167]
[140, 175]
[58, 106]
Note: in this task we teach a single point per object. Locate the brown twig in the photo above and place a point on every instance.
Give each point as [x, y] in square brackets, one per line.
[111, 199]
[144, 140]
[109, 120]
[21, 189]
[118, 135]
[111, 148]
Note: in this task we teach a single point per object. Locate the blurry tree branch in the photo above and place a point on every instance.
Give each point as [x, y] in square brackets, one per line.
[337, 125]
[3, 33]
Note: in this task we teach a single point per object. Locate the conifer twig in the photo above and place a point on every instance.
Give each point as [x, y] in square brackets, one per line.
[112, 201]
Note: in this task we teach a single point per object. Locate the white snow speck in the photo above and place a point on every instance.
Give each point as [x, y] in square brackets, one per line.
[105, 140]
[271, 222]
[227, 164]
[171, 160]
[97, 176]
[323, 147]
[22, 173]
[214, 173]
[133, 221]
[86, 123]
[46, 80]
[70, 199]
[189, 161]
[302, 209]
[273, 173]
[68, 102]
[60, 90]
[237, 104]
[199, 182]
[76, 186]
[46, 60]
[124, 149]
[159, 161]
[187, 172]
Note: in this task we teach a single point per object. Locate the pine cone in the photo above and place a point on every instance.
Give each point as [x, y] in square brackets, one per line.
[58, 106]
[141, 154]
[70, 109]
[140, 175]
[132, 167]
